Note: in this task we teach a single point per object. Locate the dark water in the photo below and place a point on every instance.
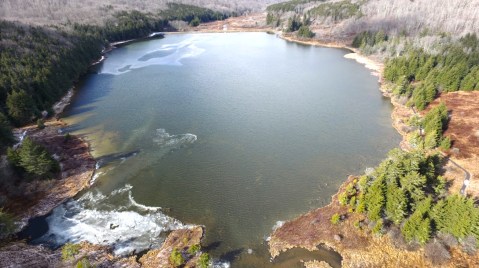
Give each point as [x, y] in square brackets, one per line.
[232, 131]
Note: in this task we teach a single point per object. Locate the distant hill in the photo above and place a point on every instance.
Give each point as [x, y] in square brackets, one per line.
[42, 12]
[414, 17]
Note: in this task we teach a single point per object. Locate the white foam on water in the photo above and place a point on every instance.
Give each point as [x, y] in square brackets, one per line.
[221, 264]
[115, 219]
[277, 225]
[165, 140]
[168, 54]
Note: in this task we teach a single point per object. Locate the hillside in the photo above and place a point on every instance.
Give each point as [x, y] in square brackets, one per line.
[423, 21]
[40, 12]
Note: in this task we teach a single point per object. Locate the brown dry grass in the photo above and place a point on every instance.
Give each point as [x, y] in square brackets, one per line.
[255, 22]
[463, 129]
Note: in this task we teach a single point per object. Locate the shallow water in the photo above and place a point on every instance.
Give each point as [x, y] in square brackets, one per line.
[232, 131]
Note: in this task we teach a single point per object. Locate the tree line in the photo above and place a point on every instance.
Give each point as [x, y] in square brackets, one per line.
[420, 76]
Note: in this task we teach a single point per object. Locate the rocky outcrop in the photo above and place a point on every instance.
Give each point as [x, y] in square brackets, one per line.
[77, 168]
[181, 240]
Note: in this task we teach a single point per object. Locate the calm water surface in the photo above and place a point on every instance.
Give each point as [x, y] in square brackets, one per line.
[232, 131]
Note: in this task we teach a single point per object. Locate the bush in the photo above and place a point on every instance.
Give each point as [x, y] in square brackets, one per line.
[40, 124]
[469, 245]
[69, 251]
[447, 239]
[204, 260]
[378, 228]
[436, 253]
[335, 218]
[195, 22]
[7, 224]
[6, 136]
[445, 144]
[305, 32]
[193, 249]
[176, 258]
[343, 199]
[83, 263]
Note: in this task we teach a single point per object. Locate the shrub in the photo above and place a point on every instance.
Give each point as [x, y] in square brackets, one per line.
[436, 253]
[469, 245]
[69, 251]
[193, 249]
[40, 124]
[378, 228]
[83, 263]
[343, 199]
[195, 22]
[305, 32]
[176, 258]
[335, 218]
[204, 260]
[445, 144]
[448, 240]
[6, 136]
[67, 137]
[7, 224]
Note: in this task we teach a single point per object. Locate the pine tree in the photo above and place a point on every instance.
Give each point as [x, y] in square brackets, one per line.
[375, 200]
[396, 203]
[456, 215]
[20, 106]
[33, 159]
[418, 226]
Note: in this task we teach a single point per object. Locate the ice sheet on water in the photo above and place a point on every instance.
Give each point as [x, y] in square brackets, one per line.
[168, 54]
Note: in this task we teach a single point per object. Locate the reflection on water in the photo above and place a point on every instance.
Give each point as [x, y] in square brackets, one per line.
[277, 128]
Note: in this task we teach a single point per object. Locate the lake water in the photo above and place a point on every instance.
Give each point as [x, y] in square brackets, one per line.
[231, 131]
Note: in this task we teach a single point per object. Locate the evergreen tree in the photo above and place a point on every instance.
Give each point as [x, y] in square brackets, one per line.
[396, 203]
[375, 200]
[456, 215]
[33, 159]
[20, 106]
[418, 226]
[6, 136]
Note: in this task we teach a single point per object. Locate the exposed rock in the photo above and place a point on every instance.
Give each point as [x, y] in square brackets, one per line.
[337, 238]
[179, 239]
[317, 264]
[19, 254]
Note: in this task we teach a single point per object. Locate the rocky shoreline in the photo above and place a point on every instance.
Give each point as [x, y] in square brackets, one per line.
[77, 170]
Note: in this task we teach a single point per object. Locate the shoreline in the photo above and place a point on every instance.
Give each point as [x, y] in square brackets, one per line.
[367, 249]
[399, 115]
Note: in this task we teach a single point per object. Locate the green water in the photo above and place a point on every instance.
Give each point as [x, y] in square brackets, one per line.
[233, 131]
